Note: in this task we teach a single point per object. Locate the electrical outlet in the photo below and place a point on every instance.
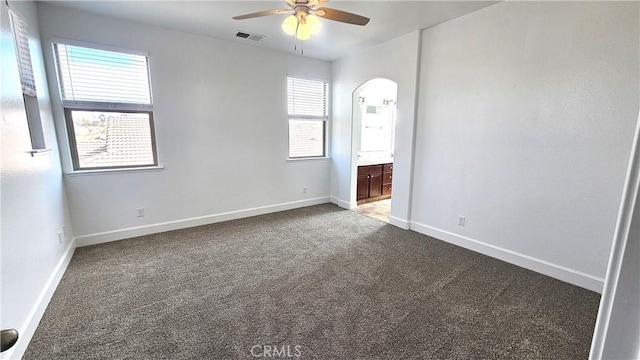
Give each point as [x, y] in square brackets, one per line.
[304, 190]
[461, 220]
[60, 237]
[140, 211]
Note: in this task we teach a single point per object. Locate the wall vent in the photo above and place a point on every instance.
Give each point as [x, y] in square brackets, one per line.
[244, 35]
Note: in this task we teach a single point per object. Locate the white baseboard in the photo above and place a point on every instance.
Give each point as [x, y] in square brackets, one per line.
[344, 204]
[127, 233]
[401, 223]
[559, 272]
[30, 325]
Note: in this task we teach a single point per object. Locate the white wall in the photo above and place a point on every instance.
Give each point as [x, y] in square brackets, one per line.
[396, 60]
[32, 194]
[221, 124]
[525, 123]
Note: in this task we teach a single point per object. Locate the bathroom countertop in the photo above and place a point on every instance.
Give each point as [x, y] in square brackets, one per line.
[374, 162]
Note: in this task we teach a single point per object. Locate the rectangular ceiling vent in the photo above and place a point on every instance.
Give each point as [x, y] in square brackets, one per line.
[244, 35]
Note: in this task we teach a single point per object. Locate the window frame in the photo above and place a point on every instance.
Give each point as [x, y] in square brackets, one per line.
[73, 147]
[68, 106]
[324, 138]
[324, 119]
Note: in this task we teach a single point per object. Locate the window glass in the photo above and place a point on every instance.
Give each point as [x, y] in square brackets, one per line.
[109, 139]
[306, 138]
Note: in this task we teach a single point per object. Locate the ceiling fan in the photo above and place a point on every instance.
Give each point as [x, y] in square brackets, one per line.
[303, 21]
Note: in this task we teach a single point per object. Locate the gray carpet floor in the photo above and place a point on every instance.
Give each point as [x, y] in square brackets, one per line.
[320, 282]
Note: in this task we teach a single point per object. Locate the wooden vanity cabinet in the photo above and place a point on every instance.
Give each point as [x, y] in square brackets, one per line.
[387, 177]
[374, 182]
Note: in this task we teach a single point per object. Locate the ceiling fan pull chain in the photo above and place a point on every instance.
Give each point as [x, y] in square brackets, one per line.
[295, 38]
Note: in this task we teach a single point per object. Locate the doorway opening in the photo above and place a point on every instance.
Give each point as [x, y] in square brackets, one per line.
[374, 122]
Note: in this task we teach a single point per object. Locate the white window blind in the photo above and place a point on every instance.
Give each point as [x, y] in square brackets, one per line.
[24, 54]
[307, 97]
[93, 75]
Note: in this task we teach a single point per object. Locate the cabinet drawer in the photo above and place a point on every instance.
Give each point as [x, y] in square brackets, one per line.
[364, 170]
[387, 177]
[386, 189]
[387, 167]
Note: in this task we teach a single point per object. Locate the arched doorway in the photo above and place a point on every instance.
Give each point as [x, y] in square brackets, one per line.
[374, 120]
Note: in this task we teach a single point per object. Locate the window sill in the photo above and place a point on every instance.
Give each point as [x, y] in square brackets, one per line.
[308, 158]
[38, 152]
[115, 171]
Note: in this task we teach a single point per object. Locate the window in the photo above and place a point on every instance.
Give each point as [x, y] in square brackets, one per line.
[307, 108]
[25, 69]
[108, 107]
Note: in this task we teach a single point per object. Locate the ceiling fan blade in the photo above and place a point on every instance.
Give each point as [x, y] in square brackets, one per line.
[342, 16]
[262, 13]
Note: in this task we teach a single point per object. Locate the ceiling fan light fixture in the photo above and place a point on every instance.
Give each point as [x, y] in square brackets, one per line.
[304, 31]
[314, 24]
[289, 25]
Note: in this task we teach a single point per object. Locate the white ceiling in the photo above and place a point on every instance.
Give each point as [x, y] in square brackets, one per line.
[389, 19]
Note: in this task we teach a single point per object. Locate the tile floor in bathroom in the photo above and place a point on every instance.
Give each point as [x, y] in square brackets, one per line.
[378, 209]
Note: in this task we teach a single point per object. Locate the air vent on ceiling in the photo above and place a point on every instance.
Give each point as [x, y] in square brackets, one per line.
[244, 35]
